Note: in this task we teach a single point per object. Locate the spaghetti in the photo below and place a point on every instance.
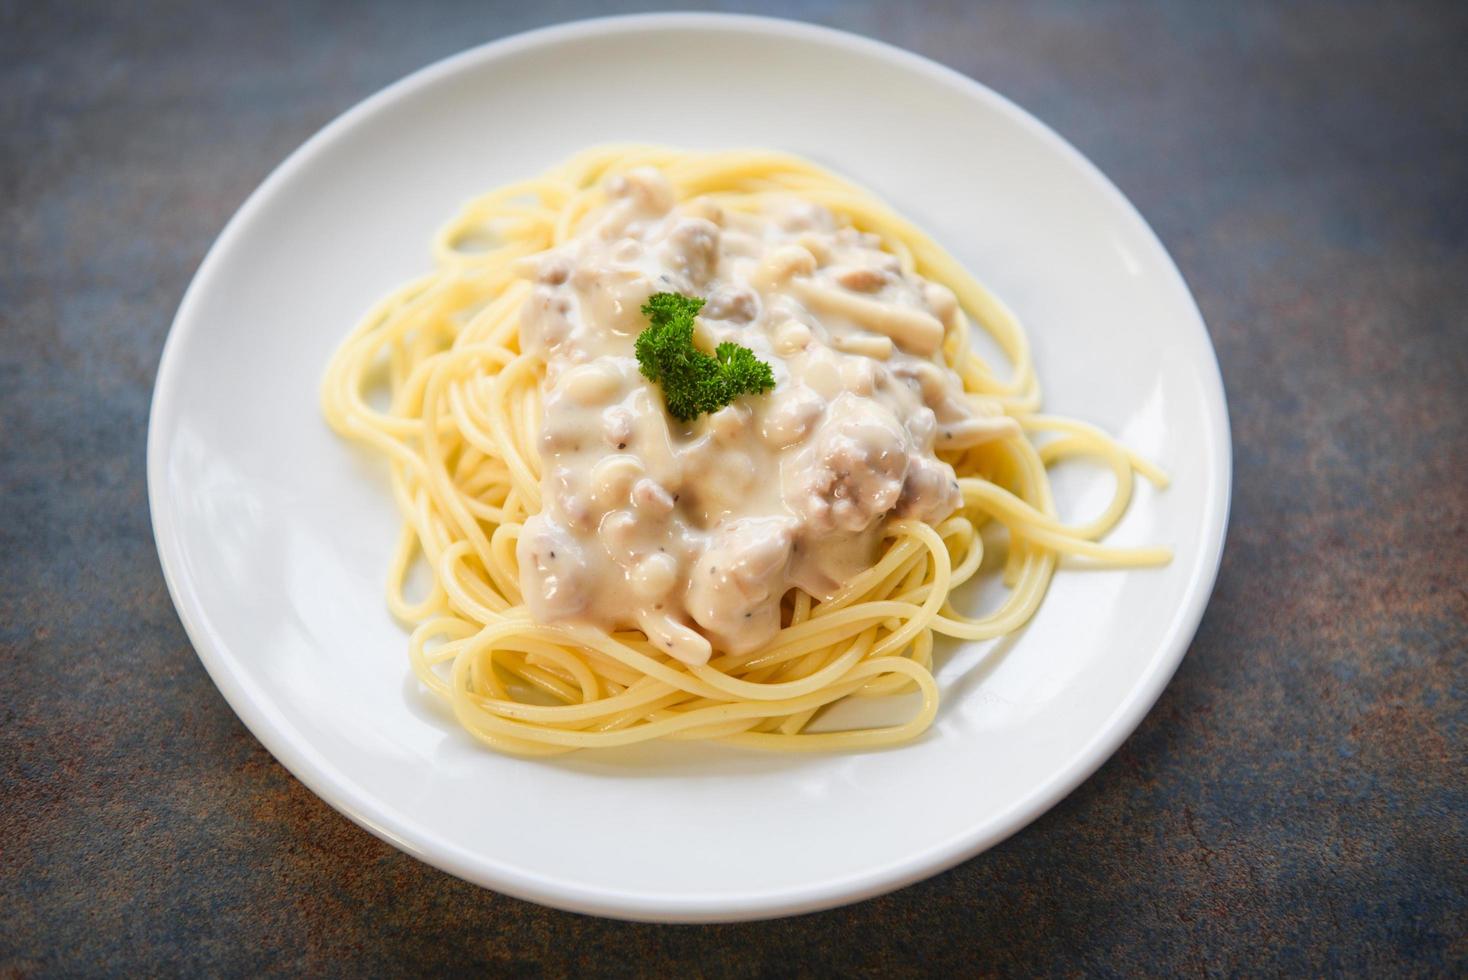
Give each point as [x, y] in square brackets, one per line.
[460, 434]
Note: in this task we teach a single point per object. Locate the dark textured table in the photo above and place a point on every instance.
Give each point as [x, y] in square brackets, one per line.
[1295, 802]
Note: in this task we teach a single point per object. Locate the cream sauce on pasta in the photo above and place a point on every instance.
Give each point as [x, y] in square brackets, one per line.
[693, 532]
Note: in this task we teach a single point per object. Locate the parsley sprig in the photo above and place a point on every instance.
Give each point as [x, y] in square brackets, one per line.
[694, 382]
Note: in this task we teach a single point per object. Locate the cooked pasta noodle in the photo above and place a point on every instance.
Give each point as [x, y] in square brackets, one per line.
[461, 432]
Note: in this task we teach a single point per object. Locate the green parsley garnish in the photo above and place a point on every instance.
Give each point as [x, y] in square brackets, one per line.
[693, 382]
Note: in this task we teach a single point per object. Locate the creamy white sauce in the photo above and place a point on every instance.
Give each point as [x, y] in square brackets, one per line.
[693, 532]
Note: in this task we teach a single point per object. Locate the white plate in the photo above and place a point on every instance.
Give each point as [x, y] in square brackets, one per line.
[274, 535]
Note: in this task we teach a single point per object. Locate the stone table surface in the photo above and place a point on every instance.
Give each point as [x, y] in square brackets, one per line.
[1295, 803]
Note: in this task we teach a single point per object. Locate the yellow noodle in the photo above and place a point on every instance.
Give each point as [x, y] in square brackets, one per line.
[460, 440]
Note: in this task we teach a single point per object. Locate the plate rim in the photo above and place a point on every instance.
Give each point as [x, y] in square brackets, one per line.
[371, 813]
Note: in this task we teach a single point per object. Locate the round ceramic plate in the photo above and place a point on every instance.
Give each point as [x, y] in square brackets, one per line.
[275, 535]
